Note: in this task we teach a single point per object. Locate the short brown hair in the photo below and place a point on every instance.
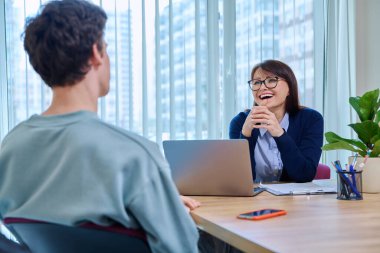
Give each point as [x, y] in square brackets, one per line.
[59, 40]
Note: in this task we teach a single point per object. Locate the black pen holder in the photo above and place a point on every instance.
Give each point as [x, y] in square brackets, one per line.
[349, 185]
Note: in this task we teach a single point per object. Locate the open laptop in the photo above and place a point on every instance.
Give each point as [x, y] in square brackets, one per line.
[210, 167]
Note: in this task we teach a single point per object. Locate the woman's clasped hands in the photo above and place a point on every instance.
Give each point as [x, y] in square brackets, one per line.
[261, 117]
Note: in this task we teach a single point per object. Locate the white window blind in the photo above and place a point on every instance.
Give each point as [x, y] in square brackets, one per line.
[178, 67]
[275, 29]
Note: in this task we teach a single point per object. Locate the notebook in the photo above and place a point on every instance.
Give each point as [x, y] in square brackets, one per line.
[210, 167]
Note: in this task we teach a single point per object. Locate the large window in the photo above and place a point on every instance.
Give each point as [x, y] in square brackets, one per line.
[168, 62]
[275, 29]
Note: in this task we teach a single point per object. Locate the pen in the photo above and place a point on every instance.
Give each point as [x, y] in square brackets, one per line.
[362, 164]
[354, 161]
[342, 187]
[353, 176]
[352, 166]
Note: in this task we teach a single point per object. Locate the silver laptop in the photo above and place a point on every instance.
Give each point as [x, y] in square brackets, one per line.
[210, 167]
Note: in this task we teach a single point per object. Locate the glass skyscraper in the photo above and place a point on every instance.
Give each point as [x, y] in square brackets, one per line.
[265, 29]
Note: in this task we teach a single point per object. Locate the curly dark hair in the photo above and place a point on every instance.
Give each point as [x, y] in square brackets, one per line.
[59, 40]
[280, 69]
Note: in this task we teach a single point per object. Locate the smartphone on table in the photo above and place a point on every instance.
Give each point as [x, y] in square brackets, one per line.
[261, 214]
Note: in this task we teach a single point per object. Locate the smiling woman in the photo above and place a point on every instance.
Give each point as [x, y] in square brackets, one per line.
[284, 138]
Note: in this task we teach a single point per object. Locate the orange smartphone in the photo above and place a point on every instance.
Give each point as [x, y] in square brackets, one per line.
[261, 214]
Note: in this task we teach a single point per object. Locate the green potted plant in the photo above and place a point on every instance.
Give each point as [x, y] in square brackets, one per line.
[368, 142]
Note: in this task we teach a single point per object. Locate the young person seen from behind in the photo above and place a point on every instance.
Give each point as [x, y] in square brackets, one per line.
[67, 166]
[285, 139]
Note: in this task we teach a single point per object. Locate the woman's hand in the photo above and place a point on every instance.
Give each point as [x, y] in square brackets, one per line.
[249, 124]
[190, 203]
[263, 118]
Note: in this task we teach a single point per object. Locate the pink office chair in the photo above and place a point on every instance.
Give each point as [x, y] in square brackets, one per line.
[323, 172]
[44, 237]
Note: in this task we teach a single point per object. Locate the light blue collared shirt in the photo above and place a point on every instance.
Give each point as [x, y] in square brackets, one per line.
[268, 158]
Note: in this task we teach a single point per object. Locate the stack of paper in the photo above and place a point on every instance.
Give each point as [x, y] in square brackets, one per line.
[315, 187]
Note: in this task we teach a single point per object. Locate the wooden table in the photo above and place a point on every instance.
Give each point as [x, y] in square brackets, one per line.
[317, 223]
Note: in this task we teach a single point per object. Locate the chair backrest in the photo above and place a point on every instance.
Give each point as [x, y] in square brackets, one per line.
[43, 237]
[323, 172]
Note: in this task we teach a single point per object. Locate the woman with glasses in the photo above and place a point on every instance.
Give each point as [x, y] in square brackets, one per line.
[285, 138]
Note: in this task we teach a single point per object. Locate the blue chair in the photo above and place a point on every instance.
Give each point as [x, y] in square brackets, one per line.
[7, 246]
[44, 237]
[323, 172]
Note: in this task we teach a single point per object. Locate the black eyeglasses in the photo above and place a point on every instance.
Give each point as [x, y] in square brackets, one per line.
[269, 82]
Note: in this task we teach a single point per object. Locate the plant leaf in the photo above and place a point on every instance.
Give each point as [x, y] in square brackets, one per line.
[376, 137]
[354, 102]
[332, 138]
[376, 149]
[342, 145]
[368, 105]
[365, 131]
[377, 119]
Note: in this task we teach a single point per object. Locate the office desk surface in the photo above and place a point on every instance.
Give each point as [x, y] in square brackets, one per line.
[317, 223]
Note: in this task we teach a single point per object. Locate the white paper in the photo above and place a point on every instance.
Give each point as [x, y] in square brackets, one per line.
[315, 187]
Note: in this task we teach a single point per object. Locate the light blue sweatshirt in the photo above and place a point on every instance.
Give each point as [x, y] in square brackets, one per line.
[73, 168]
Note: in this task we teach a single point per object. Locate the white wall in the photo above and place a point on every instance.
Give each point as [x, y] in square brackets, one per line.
[367, 45]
